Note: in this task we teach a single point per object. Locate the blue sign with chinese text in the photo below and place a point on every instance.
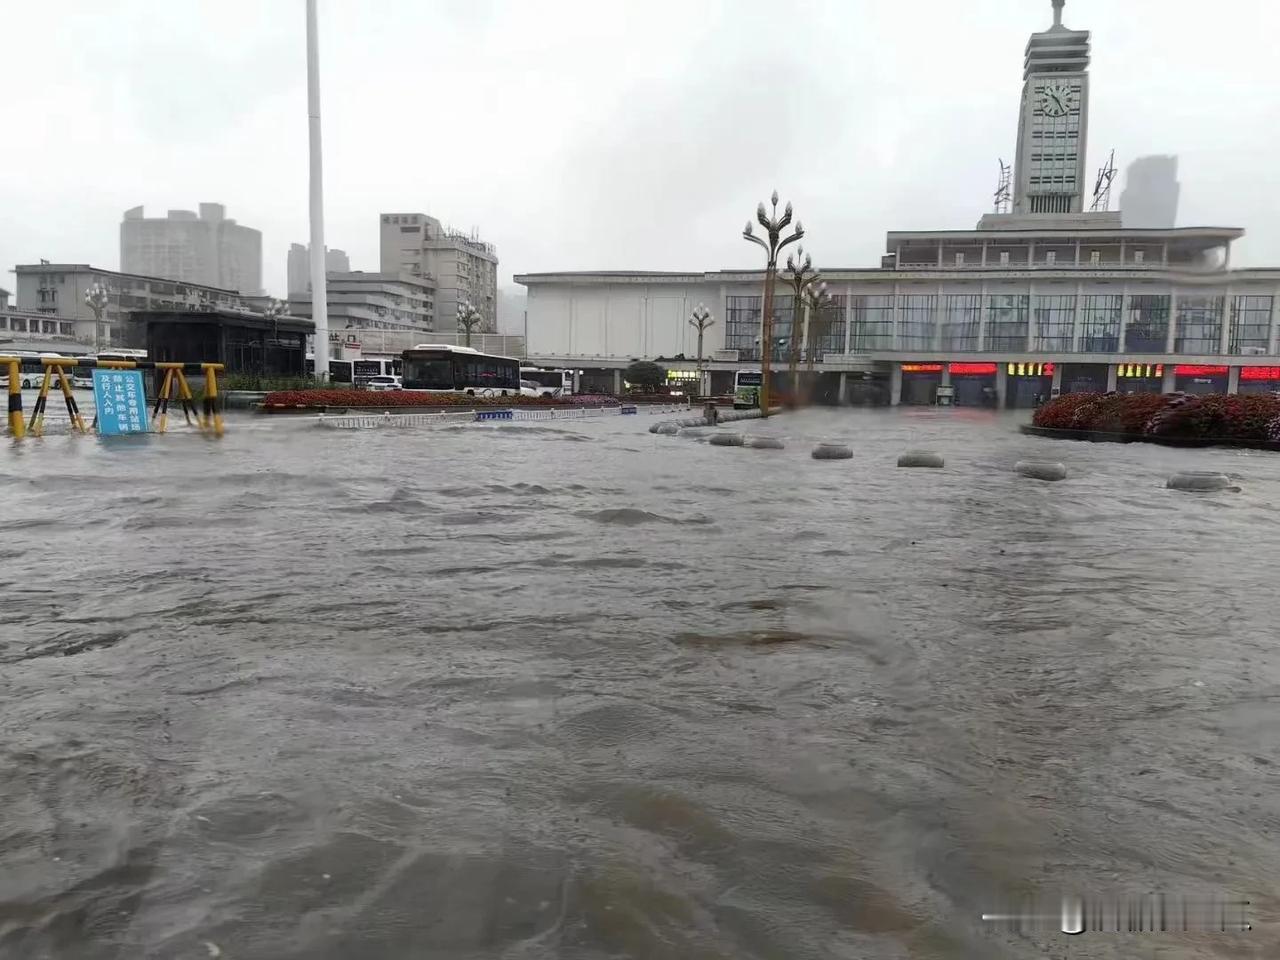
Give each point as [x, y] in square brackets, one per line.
[120, 401]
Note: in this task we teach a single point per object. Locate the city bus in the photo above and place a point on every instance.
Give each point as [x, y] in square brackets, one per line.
[83, 376]
[364, 370]
[340, 371]
[551, 382]
[30, 369]
[746, 389]
[441, 368]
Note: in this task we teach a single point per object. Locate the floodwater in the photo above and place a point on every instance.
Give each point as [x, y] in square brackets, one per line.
[575, 690]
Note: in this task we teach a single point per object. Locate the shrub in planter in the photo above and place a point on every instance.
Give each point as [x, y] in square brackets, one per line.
[1212, 417]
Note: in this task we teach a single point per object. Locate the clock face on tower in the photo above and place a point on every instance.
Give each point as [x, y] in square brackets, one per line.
[1056, 100]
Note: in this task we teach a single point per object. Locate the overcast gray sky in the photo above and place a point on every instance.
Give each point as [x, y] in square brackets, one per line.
[590, 134]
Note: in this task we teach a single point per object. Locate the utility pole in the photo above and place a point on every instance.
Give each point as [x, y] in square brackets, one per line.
[319, 287]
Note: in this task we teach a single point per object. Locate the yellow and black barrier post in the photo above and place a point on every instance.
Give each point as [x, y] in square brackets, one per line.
[36, 426]
[213, 415]
[174, 379]
[16, 425]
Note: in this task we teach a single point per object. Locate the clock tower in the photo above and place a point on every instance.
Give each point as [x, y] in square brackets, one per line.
[1053, 123]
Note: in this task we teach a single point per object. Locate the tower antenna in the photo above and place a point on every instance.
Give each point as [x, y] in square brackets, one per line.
[1004, 193]
[1102, 187]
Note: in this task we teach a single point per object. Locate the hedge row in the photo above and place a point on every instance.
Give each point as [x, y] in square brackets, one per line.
[1212, 417]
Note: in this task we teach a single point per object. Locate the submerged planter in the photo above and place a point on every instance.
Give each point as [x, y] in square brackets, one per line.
[726, 440]
[832, 451]
[1200, 481]
[921, 458]
[1041, 469]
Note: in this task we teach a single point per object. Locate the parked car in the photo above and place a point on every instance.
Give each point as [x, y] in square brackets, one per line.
[385, 382]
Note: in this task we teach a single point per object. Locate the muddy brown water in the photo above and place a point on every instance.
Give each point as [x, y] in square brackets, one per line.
[576, 690]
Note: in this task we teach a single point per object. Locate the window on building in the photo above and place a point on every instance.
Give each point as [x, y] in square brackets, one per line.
[827, 329]
[1051, 257]
[959, 259]
[1147, 326]
[1139, 256]
[872, 322]
[1095, 256]
[18, 324]
[916, 321]
[1199, 329]
[742, 325]
[960, 320]
[1100, 323]
[1007, 322]
[1250, 325]
[1055, 317]
[1004, 258]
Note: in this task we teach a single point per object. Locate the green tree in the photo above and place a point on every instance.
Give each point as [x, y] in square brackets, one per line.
[645, 374]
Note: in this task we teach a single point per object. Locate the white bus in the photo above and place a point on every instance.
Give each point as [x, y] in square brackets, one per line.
[340, 371]
[441, 368]
[746, 389]
[550, 382]
[365, 369]
[30, 369]
[83, 376]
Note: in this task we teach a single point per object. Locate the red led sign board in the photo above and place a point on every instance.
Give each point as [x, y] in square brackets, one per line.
[1260, 373]
[1199, 370]
[986, 369]
[922, 368]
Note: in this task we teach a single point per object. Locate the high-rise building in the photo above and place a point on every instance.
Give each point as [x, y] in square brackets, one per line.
[299, 266]
[462, 267]
[1150, 196]
[1053, 122]
[206, 248]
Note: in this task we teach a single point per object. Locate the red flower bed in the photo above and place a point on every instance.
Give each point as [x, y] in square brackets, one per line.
[413, 398]
[1211, 417]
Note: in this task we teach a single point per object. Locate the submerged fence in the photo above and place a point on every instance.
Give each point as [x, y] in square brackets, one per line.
[174, 379]
[362, 421]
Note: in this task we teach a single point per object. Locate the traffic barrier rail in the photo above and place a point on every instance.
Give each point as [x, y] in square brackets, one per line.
[209, 421]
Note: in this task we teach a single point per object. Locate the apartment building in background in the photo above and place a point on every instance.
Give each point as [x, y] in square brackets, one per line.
[206, 248]
[298, 279]
[56, 291]
[373, 301]
[461, 266]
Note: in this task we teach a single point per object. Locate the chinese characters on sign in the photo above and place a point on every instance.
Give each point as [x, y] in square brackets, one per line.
[120, 401]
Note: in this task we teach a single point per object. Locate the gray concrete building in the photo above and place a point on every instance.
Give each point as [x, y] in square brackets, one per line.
[57, 291]
[1151, 190]
[1042, 300]
[298, 278]
[206, 248]
[461, 266]
[374, 301]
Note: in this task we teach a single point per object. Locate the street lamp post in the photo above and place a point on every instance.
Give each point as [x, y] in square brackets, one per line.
[816, 301]
[701, 320]
[273, 311]
[774, 226]
[96, 298]
[468, 318]
[802, 274]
